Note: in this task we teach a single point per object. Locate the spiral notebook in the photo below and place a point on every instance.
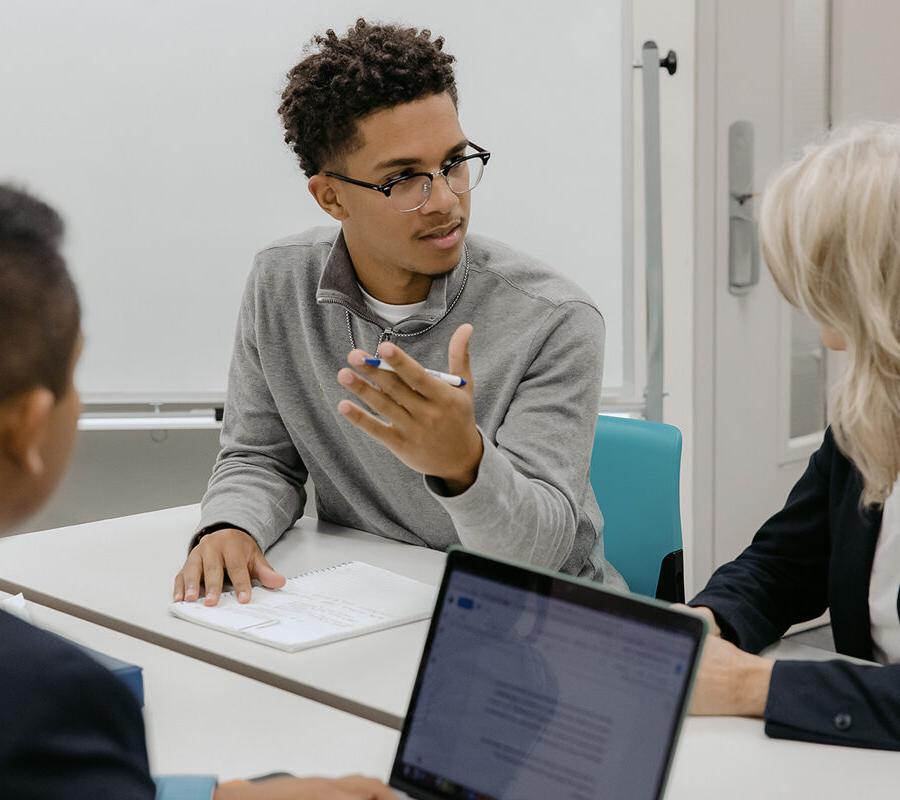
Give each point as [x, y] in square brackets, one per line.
[325, 605]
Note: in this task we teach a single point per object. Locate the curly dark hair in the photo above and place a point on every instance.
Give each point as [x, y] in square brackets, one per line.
[40, 316]
[372, 67]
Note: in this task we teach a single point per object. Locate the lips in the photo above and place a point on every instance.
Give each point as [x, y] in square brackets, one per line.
[445, 238]
[444, 230]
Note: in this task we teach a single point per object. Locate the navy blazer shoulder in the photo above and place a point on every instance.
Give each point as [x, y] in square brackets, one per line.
[814, 554]
[68, 727]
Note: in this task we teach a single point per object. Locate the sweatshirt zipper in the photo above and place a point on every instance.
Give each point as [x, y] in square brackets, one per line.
[386, 333]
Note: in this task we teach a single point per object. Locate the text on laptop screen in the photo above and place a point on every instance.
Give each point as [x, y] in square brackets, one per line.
[534, 697]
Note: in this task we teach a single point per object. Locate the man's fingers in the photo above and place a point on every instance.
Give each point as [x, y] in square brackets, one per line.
[239, 575]
[192, 573]
[363, 420]
[410, 371]
[380, 402]
[265, 574]
[458, 353]
[390, 383]
[213, 575]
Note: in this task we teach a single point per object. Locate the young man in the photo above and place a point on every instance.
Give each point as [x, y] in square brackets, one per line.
[68, 728]
[499, 464]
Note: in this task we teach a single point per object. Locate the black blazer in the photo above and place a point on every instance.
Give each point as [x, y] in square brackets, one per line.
[814, 554]
[68, 727]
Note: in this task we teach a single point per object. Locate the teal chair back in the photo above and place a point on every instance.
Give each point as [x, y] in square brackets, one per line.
[635, 468]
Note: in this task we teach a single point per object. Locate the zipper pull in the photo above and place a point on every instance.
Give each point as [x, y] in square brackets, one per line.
[385, 337]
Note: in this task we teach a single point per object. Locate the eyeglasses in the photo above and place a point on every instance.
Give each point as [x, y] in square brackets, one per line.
[411, 191]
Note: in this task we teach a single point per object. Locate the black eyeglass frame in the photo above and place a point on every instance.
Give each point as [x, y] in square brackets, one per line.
[385, 188]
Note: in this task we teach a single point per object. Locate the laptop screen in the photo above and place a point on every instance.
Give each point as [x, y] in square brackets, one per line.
[536, 687]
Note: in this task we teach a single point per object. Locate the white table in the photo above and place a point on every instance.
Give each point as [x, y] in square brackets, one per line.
[729, 757]
[203, 719]
[119, 573]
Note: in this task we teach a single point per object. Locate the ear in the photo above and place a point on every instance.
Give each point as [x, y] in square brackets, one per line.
[322, 189]
[24, 428]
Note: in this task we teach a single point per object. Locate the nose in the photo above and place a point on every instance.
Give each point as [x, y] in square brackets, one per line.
[442, 200]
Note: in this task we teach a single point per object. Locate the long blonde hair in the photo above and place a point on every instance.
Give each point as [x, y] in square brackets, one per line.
[830, 231]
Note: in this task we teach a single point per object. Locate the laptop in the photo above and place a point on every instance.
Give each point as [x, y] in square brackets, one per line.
[538, 686]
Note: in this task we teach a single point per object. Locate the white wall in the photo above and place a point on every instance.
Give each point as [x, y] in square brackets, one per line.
[864, 60]
[115, 473]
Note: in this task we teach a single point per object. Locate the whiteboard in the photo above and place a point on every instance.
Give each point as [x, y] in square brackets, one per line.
[152, 126]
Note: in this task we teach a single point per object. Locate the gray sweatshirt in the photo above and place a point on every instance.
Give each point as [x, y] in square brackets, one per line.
[536, 357]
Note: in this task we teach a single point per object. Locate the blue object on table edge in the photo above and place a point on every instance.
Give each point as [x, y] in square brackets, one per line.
[130, 674]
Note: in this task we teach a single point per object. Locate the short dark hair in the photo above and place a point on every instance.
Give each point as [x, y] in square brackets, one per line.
[40, 316]
[371, 67]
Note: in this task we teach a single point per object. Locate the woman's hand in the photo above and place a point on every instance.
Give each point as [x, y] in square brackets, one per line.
[730, 682]
[704, 613]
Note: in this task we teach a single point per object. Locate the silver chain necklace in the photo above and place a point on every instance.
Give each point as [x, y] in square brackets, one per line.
[389, 332]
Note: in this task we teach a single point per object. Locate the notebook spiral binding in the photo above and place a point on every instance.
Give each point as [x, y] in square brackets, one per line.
[320, 570]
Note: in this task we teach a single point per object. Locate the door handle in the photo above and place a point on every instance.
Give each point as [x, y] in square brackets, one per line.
[743, 247]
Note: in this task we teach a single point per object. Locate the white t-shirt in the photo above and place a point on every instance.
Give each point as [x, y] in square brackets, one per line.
[884, 585]
[392, 313]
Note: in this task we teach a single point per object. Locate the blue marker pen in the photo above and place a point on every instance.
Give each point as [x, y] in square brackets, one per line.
[453, 380]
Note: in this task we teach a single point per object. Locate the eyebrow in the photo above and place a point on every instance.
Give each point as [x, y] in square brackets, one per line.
[411, 162]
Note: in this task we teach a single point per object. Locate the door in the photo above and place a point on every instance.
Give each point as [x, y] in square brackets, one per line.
[761, 388]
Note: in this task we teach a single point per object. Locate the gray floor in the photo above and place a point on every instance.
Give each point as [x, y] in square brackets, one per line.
[817, 637]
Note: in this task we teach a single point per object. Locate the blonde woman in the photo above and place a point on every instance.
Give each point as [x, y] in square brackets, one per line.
[830, 229]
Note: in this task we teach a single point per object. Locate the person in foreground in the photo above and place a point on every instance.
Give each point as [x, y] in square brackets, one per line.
[830, 230]
[68, 727]
[499, 464]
